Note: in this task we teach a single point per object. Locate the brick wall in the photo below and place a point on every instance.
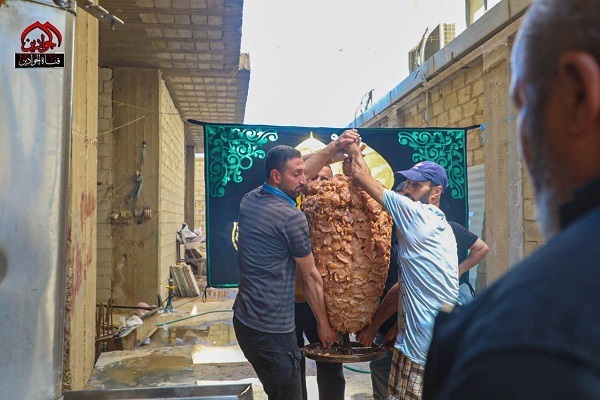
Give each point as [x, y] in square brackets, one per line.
[171, 183]
[105, 184]
[532, 237]
[199, 197]
[473, 93]
[457, 101]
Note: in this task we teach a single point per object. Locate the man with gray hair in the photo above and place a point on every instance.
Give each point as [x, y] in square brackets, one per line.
[535, 334]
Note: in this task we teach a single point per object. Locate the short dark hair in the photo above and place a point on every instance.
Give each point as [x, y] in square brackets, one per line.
[278, 157]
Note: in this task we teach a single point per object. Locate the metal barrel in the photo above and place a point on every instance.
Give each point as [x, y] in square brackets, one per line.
[36, 59]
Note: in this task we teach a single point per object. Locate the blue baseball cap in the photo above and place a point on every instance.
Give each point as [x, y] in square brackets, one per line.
[427, 171]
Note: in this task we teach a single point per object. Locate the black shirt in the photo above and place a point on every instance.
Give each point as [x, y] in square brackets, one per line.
[464, 241]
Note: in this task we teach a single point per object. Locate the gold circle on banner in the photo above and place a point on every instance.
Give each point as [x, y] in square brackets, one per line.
[380, 169]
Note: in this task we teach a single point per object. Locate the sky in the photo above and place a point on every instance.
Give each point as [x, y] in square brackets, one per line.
[312, 61]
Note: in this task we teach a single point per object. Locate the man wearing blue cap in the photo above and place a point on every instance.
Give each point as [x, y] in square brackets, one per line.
[428, 263]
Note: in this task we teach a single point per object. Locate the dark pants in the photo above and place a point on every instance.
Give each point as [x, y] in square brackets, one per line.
[330, 376]
[380, 373]
[275, 358]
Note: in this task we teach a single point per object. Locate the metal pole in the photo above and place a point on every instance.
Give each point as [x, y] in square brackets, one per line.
[36, 68]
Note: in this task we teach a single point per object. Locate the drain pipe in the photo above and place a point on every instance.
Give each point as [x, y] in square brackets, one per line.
[36, 73]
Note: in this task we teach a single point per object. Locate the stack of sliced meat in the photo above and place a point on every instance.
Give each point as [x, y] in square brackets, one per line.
[350, 234]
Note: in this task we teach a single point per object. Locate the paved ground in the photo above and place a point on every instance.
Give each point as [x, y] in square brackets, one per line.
[196, 344]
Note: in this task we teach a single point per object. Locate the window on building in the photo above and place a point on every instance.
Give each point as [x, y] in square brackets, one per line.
[476, 8]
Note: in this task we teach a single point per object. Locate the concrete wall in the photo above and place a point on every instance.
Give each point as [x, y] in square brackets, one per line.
[200, 199]
[135, 257]
[105, 185]
[135, 253]
[475, 90]
[171, 183]
[78, 359]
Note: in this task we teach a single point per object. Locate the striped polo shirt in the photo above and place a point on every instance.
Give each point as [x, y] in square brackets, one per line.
[271, 233]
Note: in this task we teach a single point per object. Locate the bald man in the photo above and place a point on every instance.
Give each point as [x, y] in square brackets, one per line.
[535, 334]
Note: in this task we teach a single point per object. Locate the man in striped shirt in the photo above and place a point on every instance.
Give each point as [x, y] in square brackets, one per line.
[273, 240]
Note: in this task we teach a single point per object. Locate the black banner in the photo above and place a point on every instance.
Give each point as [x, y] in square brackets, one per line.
[234, 165]
[46, 60]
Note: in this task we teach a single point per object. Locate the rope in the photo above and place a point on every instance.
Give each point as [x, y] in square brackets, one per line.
[483, 128]
[119, 103]
[119, 127]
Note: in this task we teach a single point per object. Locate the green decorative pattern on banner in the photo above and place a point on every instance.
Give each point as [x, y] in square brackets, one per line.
[443, 147]
[233, 150]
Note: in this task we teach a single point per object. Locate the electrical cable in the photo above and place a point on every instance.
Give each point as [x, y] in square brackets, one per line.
[362, 371]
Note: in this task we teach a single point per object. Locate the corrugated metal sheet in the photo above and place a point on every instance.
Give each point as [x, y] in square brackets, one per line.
[476, 185]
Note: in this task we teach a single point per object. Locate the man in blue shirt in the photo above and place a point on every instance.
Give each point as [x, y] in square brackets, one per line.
[428, 263]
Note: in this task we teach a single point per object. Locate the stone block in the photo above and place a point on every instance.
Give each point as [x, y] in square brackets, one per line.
[469, 158]
[102, 295]
[107, 88]
[473, 140]
[477, 87]
[470, 108]
[445, 90]
[478, 156]
[450, 101]
[107, 112]
[528, 192]
[458, 81]
[104, 243]
[441, 120]
[104, 125]
[531, 232]
[437, 108]
[474, 73]
[105, 74]
[104, 230]
[105, 255]
[455, 115]
[530, 247]
[104, 151]
[104, 101]
[529, 210]
[464, 94]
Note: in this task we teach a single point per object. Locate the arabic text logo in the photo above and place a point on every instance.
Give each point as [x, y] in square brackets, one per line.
[40, 37]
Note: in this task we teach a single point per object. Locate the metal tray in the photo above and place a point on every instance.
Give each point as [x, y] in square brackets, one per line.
[202, 392]
[340, 354]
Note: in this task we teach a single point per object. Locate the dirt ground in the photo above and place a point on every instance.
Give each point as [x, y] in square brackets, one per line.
[209, 332]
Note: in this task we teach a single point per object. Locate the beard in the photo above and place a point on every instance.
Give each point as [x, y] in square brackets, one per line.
[424, 198]
[293, 192]
[550, 183]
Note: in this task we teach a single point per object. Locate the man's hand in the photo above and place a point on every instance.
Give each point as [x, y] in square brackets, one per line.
[347, 167]
[347, 137]
[366, 336]
[353, 149]
[327, 334]
[390, 336]
[314, 162]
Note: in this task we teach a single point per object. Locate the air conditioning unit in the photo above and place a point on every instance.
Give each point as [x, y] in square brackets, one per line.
[434, 41]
